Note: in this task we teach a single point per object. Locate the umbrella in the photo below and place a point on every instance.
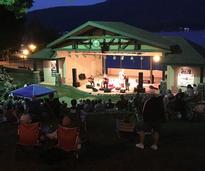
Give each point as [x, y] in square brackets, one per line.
[32, 90]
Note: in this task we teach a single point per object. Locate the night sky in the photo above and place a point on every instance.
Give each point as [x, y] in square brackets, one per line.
[40, 4]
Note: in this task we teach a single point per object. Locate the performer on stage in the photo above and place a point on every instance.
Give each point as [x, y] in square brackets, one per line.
[121, 74]
[127, 84]
[121, 78]
[91, 81]
[105, 81]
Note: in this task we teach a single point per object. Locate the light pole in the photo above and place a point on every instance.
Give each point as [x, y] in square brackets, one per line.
[25, 53]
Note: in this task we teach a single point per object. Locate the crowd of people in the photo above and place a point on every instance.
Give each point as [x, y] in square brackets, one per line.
[153, 108]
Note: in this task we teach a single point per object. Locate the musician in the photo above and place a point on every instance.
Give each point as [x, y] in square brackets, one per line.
[105, 81]
[127, 84]
[91, 81]
[121, 74]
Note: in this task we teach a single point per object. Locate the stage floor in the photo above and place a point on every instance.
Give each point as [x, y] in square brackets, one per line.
[115, 81]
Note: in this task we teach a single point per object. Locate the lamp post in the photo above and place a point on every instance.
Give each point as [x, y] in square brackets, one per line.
[32, 47]
[25, 53]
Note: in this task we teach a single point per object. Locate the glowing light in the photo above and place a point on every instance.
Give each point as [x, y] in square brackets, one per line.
[32, 47]
[122, 58]
[114, 57]
[25, 52]
[132, 58]
[156, 58]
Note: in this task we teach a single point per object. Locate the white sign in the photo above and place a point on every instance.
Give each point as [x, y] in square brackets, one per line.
[185, 79]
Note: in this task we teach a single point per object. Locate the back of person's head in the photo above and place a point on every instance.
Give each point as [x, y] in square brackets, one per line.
[121, 97]
[179, 90]
[99, 100]
[189, 86]
[25, 119]
[73, 102]
[66, 121]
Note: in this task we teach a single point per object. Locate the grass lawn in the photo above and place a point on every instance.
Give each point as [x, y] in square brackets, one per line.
[181, 148]
[67, 93]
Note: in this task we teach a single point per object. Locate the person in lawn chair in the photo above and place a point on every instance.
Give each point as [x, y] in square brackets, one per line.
[65, 125]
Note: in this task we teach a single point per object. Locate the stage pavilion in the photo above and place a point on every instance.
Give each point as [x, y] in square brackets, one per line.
[109, 48]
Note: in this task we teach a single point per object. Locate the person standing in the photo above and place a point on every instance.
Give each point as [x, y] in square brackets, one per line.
[153, 114]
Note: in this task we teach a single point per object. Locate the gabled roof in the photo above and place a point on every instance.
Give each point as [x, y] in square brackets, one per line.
[191, 53]
[121, 29]
[45, 54]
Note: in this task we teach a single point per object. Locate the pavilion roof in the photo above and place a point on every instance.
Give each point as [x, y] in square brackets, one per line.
[44, 54]
[120, 29]
[190, 54]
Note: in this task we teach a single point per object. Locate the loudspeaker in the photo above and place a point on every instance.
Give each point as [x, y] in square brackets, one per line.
[82, 77]
[122, 91]
[95, 89]
[107, 90]
[89, 86]
[140, 80]
[74, 75]
[77, 84]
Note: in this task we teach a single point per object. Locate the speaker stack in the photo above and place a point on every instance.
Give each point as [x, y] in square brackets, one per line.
[74, 75]
[140, 88]
[107, 90]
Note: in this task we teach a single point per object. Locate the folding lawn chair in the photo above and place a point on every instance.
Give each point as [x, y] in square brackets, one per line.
[68, 140]
[28, 138]
[29, 134]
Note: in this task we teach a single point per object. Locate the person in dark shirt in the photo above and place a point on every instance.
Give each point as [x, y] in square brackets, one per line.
[122, 104]
[153, 115]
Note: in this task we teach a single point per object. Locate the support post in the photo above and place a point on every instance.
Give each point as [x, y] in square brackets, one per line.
[151, 70]
[201, 74]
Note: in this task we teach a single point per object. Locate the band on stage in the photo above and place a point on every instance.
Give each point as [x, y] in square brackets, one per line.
[123, 82]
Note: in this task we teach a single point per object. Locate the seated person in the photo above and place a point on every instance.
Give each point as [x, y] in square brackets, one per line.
[25, 119]
[66, 122]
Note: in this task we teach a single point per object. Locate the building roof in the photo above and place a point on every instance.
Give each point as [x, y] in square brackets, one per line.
[44, 54]
[121, 29]
[191, 53]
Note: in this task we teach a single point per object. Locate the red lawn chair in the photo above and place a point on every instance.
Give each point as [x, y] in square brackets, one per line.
[29, 134]
[68, 140]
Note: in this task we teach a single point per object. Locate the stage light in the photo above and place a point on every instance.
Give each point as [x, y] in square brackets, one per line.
[156, 58]
[122, 58]
[141, 58]
[114, 57]
[132, 58]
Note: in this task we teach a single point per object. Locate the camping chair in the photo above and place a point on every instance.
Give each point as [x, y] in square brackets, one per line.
[68, 140]
[29, 134]
[28, 138]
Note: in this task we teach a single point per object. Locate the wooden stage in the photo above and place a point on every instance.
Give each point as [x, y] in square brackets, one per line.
[115, 82]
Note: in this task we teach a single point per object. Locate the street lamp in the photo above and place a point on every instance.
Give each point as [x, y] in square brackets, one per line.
[32, 47]
[25, 53]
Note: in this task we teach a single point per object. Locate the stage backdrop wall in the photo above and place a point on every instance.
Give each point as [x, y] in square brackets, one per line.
[87, 64]
[131, 63]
